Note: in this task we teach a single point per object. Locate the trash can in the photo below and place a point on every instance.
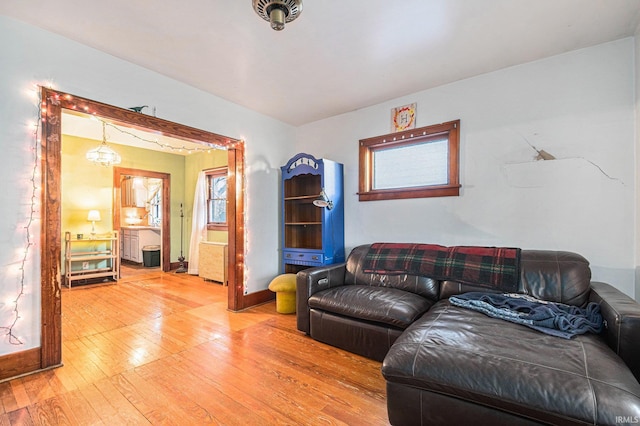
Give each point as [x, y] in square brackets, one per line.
[151, 256]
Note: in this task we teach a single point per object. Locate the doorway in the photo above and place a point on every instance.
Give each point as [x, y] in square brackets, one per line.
[52, 104]
[143, 210]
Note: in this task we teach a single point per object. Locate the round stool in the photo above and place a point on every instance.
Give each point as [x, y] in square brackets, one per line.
[285, 288]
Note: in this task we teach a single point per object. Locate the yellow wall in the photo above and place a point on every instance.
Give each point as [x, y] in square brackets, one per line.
[193, 165]
[86, 186]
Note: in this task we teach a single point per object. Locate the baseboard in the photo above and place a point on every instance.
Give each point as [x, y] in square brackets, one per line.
[257, 298]
[176, 265]
[19, 363]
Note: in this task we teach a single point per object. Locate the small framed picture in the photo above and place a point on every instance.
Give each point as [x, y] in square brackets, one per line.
[403, 118]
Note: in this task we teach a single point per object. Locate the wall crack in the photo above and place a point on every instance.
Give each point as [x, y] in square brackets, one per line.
[542, 155]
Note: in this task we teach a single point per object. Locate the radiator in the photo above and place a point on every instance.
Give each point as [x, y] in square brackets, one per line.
[212, 261]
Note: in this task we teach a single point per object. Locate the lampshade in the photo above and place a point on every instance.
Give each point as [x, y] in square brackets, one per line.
[93, 216]
[102, 154]
[323, 201]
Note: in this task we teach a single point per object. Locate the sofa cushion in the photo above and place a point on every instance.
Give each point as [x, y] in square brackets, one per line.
[556, 276]
[424, 286]
[466, 355]
[378, 304]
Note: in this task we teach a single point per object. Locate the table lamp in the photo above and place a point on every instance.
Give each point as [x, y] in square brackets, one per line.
[93, 217]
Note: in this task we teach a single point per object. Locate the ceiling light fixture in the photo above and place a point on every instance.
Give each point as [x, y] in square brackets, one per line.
[103, 155]
[277, 12]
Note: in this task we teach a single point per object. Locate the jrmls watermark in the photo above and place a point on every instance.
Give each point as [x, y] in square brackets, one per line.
[629, 420]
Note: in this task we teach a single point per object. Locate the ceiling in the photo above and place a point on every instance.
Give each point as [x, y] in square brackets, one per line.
[338, 56]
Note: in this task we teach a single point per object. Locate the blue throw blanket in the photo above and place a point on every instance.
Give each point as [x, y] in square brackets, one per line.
[556, 319]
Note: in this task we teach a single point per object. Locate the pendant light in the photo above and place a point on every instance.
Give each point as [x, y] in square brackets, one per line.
[102, 154]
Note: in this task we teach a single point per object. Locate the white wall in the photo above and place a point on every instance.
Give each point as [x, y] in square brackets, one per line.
[578, 107]
[637, 158]
[32, 56]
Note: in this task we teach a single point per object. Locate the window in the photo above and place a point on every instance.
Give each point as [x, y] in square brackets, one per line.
[416, 163]
[217, 199]
[155, 213]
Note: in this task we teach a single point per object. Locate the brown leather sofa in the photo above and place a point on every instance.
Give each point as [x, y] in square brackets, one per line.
[449, 365]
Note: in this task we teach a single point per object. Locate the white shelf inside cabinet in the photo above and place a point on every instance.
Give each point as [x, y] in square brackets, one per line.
[89, 258]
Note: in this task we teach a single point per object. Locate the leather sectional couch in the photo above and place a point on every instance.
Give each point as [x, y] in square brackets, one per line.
[446, 364]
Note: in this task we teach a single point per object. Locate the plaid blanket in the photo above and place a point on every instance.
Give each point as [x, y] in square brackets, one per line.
[497, 268]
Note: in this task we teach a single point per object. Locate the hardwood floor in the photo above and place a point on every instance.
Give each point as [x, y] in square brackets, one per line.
[161, 348]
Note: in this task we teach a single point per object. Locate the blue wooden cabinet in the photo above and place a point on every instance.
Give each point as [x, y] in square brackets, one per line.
[312, 213]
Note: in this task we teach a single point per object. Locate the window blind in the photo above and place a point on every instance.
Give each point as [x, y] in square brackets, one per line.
[413, 165]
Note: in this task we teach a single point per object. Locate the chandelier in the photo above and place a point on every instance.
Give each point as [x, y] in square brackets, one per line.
[277, 12]
[102, 154]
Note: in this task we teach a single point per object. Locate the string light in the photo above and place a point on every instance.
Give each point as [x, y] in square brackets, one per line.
[31, 219]
[164, 146]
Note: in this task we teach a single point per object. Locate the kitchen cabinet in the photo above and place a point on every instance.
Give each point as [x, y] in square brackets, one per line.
[134, 239]
[134, 192]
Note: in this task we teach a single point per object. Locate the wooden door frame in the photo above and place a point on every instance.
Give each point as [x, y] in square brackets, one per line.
[52, 104]
[118, 172]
